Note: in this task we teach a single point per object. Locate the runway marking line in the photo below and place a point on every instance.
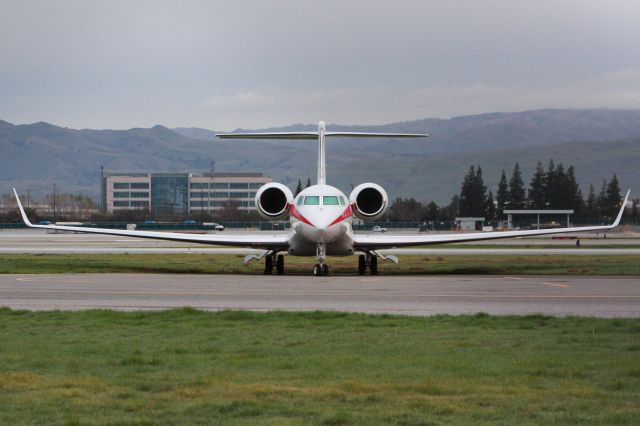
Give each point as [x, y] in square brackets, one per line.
[552, 284]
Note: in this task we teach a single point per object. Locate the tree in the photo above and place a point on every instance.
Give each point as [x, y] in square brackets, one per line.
[613, 197]
[550, 186]
[406, 210]
[502, 196]
[575, 194]
[298, 188]
[601, 199]
[537, 188]
[308, 182]
[432, 211]
[592, 203]
[473, 192]
[490, 208]
[517, 196]
[634, 208]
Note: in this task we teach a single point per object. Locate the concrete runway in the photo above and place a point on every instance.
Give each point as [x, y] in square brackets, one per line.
[411, 295]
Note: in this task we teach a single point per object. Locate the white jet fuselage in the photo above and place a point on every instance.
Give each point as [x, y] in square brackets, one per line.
[321, 214]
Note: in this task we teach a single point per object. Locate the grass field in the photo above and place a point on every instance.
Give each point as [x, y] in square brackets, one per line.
[191, 367]
[628, 265]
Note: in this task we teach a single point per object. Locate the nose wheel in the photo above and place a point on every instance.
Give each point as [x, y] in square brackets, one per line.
[320, 270]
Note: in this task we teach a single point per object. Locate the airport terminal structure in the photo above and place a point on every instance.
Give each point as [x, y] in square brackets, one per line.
[178, 192]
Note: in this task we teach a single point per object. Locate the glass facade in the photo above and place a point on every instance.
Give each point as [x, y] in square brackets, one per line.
[139, 195]
[120, 195]
[121, 185]
[139, 204]
[139, 185]
[170, 193]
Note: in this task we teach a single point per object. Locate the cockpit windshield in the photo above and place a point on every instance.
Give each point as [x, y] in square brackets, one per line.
[330, 200]
[311, 200]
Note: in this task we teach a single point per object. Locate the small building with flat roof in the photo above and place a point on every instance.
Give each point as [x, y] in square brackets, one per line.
[537, 213]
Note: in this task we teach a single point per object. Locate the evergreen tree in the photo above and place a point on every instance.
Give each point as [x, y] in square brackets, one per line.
[550, 185]
[308, 182]
[432, 211]
[517, 196]
[577, 202]
[613, 198]
[560, 198]
[592, 203]
[537, 188]
[502, 196]
[298, 188]
[473, 194]
[634, 208]
[491, 208]
[601, 200]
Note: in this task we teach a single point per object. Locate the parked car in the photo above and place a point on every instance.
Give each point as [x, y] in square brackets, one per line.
[189, 222]
[379, 229]
[149, 222]
[214, 225]
[44, 222]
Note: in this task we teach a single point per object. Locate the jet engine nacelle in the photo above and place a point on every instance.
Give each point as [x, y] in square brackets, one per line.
[273, 201]
[369, 201]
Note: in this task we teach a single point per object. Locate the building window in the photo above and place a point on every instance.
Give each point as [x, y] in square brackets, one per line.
[199, 185]
[219, 195]
[199, 204]
[238, 194]
[252, 195]
[120, 195]
[198, 195]
[139, 195]
[139, 185]
[120, 185]
[255, 185]
[252, 203]
[120, 204]
[139, 204]
[239, 185]
[218, 203]
[220, 185]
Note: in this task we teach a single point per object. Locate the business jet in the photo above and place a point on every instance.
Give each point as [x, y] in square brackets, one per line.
[321, 218]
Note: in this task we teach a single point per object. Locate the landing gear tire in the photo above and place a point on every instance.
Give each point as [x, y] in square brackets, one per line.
[325, 269]
[280, 264]
[268, 265]
[362, 264]
[317, 270]
[373, 265]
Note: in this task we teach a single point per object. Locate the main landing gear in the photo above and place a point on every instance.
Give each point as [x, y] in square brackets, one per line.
[269, 261]
[370, 261]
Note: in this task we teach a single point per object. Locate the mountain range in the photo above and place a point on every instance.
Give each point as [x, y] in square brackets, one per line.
[597, 142]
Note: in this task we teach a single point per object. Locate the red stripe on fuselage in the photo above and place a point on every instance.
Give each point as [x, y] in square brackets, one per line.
[295, 213]
[345, 214]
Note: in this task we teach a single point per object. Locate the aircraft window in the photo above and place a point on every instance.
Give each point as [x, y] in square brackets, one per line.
[312, 200]
[331, 200]
[342, 201]
[300, 200]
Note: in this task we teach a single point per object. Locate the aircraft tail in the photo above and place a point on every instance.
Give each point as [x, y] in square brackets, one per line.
[320, 135]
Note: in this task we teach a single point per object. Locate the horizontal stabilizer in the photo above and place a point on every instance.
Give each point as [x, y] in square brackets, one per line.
[314, 135]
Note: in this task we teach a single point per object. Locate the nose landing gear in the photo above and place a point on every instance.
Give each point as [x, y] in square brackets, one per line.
[321, 269]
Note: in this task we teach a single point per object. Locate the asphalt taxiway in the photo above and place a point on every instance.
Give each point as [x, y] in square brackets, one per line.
[410, 295]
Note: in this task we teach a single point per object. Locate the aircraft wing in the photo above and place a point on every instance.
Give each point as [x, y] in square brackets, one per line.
[376, 242]
[267, 242]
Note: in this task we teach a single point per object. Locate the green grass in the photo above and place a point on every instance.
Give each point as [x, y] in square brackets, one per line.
[191, 367]
[628, 265]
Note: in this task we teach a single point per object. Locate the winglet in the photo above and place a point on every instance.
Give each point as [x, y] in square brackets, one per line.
[24, 215]
[624, 204]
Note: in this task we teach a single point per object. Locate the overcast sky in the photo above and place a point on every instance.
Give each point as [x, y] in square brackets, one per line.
[251, 64]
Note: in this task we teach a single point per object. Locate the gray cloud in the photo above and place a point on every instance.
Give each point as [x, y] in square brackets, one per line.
[252, 63]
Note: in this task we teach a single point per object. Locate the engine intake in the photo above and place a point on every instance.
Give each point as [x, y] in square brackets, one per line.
[273, 200]
[369, 200]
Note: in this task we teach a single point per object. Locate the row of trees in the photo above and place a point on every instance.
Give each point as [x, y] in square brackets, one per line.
[553, 188]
